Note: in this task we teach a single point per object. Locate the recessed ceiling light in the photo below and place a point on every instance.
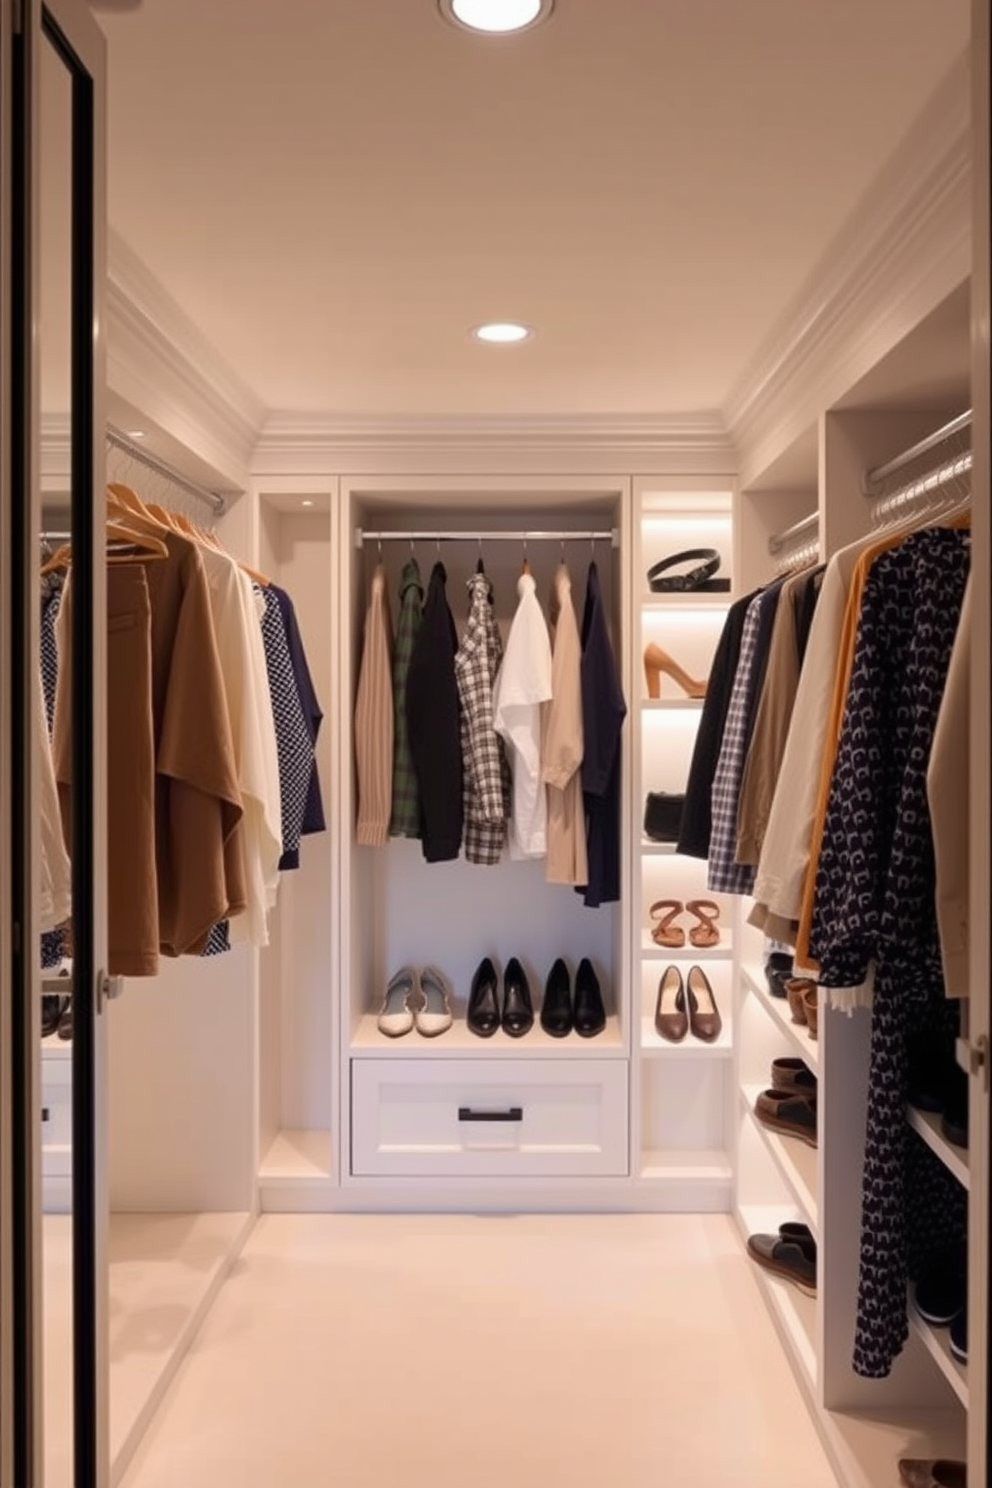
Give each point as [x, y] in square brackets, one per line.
[503, 333]
[135, 433]
[306, 502]
[496, 17]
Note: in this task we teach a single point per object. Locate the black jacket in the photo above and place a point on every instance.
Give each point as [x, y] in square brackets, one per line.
[434, 724]
[603, 713]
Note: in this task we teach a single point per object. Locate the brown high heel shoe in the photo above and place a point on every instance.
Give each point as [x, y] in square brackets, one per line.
[657, 661]
[704, 1016]
[670, 1017]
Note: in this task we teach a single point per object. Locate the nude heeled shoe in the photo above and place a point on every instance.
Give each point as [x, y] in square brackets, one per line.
[657, 661]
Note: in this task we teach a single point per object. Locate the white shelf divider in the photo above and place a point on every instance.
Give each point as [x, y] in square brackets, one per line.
[653, 1046]
[797, 1163]
[687, 953]
[703, 1166]
[937, 1342]
[459, 1042]
[777, 1008]
[955, 1159]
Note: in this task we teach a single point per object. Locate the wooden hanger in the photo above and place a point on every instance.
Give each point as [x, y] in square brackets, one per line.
[149, 547]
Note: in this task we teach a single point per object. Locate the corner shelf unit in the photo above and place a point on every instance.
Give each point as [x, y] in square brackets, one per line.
[682, 1105]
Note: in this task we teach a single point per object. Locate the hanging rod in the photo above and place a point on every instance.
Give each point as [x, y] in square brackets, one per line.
[925, 486]
[119, 440]
[806, 528]
[58, 537]
[882, 472]
[611, 536]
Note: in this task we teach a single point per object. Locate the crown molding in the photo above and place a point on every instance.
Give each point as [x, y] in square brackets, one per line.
[160, 361]
[905, 246]
[292, 439]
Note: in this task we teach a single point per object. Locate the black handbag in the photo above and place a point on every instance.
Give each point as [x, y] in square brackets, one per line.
[663, 816]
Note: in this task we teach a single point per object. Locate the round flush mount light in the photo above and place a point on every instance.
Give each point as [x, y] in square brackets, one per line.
[503, 333]
[496, 17]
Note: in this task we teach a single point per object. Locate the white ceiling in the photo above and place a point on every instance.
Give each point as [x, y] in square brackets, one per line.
[337, 190]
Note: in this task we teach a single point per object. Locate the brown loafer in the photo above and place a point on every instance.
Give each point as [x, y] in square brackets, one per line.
[811, 1007]
[792, 1115]
[669, 1014]
[795, 990]
[940, 1472]
[704, 1015]
[791, 1257]
[793, 1076]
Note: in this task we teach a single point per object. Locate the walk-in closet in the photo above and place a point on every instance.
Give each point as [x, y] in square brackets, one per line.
[494, 754]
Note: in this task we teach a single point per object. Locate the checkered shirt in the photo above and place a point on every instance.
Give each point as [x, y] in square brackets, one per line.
[486, 793]
[404, 820]
[726, 876]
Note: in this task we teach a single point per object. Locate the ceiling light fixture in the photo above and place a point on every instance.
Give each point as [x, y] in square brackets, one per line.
[496, 17]
[306, 501]
[503, 333]
[135, 433]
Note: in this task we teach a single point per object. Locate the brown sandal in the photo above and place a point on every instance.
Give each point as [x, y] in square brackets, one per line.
[665, 933]
[705, 934]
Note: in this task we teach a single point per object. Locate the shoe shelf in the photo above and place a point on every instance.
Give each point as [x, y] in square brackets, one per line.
[778, 1009]
[705, 1165]
[792, 1312]
[663, 705]
[657, 849]
[687, 953]
[865, 1447]
[459, 1042]
[653, 1046]
[927, 1125]
[937, 1342]
[297, 1154]
[657, 604]
[797, 1162]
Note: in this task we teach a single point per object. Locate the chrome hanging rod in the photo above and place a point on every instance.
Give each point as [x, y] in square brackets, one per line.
[612, 536]
[873, 478]
[120, 441]
[801, 533]
[927, 485]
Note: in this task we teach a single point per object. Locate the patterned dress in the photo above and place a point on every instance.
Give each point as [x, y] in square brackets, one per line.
[874, 902]
[486, 774]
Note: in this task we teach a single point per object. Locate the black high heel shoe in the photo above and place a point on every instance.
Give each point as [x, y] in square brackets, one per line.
[556, 1009]
[482, 1015]
[590, 1014]
[518, 1010]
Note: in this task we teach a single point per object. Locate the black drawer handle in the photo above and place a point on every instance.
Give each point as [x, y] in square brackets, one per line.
[45, 1114]
[466, 1113]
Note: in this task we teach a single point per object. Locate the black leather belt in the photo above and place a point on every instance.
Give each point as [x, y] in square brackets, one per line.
[698, 580]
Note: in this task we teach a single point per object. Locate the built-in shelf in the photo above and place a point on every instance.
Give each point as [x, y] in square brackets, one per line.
[865, 1447]
[793, 1313]
[459, 1041]
[663, 705]
[672, 603]
[653, 1046]
[797, 1162]
[53, 1047]
[703, 1166]
[296, 1154]
[955, 1159]
[687, 953]
[657, 849]
[778, 1009]
[937, 1342]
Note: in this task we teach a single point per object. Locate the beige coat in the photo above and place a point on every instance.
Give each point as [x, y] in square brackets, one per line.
[374, 720]
[561, 756]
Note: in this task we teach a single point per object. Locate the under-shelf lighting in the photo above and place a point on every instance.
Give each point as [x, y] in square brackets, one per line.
[496, 17]
[503, 333]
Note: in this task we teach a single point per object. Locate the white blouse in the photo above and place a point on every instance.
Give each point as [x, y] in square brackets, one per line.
[522, 684]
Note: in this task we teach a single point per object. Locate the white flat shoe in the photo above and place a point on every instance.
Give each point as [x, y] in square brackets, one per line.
[396, 1015]
[434, 1016]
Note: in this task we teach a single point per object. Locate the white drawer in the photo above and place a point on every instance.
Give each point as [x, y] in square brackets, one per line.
[489, 1118]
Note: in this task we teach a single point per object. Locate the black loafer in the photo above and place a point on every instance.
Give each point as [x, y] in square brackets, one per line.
[556, 1009]
[482, 1015]
[778, 970]
[518, 1010]
[590, 1014]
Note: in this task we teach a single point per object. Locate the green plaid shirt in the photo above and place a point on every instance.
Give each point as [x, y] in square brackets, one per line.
[405, 819]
